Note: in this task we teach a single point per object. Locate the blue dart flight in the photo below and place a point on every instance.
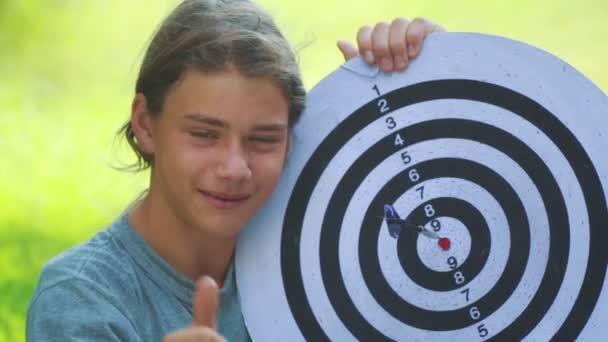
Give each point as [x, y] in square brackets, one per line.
[392, 220]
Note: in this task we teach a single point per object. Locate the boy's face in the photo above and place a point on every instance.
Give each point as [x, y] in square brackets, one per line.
[219, 148]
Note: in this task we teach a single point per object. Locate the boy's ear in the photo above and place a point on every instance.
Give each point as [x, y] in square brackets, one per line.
[141, 123]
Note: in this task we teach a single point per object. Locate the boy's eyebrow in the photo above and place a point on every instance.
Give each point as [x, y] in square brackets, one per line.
[277, 127]
[205, 119]
[270, 127]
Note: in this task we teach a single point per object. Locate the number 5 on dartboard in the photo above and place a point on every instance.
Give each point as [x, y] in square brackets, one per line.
[482, 330]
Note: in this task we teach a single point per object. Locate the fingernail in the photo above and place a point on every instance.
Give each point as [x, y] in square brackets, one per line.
[399, 62]
[207, 280]
[386, 64]
[368, 56]
[411, 50]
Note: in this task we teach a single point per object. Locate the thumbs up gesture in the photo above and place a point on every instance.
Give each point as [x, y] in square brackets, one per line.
[204, 315]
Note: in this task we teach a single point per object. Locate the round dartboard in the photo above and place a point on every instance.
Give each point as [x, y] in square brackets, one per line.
[461, 200]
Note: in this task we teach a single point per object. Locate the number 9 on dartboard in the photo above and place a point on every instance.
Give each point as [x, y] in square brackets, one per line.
[461, 200]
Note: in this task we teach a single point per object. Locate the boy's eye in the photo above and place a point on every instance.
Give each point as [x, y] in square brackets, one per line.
[267, 140]
[202, 134]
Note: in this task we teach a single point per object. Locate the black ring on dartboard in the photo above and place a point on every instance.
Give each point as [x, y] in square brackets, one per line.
[429, 170]
[407, 244]
[483, 92]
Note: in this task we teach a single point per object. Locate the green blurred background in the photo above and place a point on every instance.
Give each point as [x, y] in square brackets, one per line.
[67, 70]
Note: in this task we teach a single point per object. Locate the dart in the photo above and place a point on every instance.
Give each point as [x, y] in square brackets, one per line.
[418, 228]
[395, 224]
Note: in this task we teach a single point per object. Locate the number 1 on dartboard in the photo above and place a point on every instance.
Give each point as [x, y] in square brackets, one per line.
[375, 87]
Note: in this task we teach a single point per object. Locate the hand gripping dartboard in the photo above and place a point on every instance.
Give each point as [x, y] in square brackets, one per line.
[461, 200]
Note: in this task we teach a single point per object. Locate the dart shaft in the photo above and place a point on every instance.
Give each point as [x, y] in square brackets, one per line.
[420, 229]
[429, 233]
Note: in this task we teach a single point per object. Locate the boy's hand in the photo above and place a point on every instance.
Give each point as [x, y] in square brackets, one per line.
[390, 46]
[204, 315]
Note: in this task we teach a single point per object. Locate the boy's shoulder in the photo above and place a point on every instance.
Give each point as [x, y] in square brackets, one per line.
[88, 289]
[102, 262]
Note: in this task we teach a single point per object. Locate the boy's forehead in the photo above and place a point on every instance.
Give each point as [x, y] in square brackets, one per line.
[227, 97]
[225, 88]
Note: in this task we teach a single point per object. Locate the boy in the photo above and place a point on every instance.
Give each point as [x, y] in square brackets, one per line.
[217, 94]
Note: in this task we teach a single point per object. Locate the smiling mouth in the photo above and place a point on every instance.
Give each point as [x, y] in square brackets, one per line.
[225, 201]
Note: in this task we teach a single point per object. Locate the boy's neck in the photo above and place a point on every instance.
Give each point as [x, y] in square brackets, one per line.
[188, 249]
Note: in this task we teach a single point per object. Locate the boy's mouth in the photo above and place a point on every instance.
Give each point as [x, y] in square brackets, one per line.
[224, 200]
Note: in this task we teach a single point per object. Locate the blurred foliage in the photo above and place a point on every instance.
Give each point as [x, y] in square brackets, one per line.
[67, 70]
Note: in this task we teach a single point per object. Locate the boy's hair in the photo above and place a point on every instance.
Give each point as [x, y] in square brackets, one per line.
[211, 35]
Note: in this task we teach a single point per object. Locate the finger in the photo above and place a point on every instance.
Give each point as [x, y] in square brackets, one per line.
[194, 334]
[205, 303]
[397, 42]
[417, 31]
[364, 41]
[348, 50]
[382, 53]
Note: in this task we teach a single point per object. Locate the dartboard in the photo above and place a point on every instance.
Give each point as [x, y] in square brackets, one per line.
[463, 199]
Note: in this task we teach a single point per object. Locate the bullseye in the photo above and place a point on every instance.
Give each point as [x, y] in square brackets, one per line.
[444, 243]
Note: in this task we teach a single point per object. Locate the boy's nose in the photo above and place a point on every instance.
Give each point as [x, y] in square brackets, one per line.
[234, 166]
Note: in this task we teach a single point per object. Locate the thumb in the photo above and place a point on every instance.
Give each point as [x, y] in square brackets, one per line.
[205, 303]
[348, 50]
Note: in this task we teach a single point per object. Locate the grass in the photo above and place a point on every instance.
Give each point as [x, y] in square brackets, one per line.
[67, 70]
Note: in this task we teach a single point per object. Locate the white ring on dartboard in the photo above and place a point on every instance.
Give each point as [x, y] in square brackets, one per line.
[431, 255]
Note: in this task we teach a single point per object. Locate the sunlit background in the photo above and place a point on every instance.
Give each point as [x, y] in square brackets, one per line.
[67, 71]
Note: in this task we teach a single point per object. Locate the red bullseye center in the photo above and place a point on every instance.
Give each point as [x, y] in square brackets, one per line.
[444, 243]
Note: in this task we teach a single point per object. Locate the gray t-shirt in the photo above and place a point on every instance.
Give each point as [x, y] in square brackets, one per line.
[115, 287]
